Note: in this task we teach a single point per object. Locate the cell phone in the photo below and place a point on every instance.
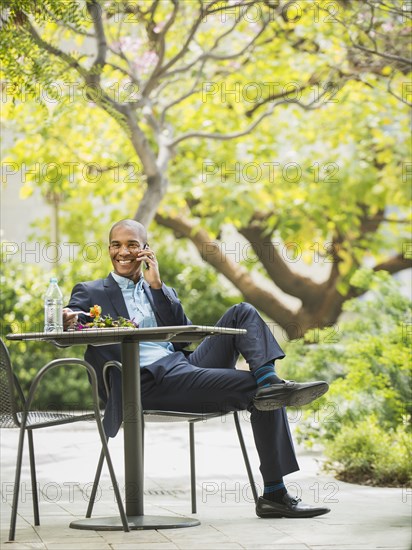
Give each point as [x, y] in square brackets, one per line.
[145, 263]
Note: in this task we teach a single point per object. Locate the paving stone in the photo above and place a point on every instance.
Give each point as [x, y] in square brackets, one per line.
[23, 546]
[144, 546]
[276, 546]
[96, 545]
[148, 536]
[210, 546]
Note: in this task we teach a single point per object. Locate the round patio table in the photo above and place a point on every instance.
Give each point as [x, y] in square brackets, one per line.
[129, 338]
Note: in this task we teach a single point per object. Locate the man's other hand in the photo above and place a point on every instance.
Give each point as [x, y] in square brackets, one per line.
[69, 318]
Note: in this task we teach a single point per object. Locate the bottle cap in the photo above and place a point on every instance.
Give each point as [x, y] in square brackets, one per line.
[53, 279]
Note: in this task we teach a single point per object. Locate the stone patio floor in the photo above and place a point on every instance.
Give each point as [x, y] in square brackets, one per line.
[361, 518]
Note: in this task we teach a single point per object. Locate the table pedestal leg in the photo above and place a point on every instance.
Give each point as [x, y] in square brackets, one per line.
[135, 523]
[133, 458]
[133, 429]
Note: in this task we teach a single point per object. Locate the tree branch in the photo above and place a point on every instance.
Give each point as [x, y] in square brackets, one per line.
[234, 135]
[211, 252]
[218, 57]
[386, 8]
[397, 58]
[69, 60]
[225, 137]
[273, 97]
[226, 57]
[287, 280]
[184, 96]
[103, 99]
[67, 25]
[141, 144]
[120, 53]
[185, 46]
[400, 98]
[161, 40]
[156, 182]
[94, 9]
[203, 13]
[122, 70]
[395, 264]
[368, 34]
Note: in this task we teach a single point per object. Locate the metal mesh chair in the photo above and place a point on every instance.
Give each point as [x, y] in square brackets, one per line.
[15, 413]
[175, 416]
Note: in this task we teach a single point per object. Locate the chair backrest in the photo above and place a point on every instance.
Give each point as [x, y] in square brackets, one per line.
[9, 387]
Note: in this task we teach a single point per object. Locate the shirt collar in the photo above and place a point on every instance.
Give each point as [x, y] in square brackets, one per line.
[124, 282]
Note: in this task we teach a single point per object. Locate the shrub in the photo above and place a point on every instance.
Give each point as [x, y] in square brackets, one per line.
[365, 418]
[23, 288]
[365, 452]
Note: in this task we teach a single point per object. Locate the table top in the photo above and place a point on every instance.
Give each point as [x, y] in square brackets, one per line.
[115, 335]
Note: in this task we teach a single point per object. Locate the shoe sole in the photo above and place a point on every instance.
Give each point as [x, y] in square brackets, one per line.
[293, 515]
[296, 398]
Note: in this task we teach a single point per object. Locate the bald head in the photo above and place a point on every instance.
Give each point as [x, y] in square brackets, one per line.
[130, 224]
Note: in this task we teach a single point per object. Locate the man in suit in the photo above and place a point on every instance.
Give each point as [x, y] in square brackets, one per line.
[205, 380]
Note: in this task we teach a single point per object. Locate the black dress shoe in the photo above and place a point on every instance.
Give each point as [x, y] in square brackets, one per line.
[288, 394]
[290, 508]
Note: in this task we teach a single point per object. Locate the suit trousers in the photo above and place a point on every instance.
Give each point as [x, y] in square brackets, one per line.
[206, 380]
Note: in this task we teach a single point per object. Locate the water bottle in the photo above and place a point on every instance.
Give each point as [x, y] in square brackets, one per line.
[53, 308]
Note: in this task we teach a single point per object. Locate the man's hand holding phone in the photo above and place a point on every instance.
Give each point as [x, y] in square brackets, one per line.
[151, 271]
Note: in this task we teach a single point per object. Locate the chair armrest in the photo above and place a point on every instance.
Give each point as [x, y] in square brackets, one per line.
[64, 362]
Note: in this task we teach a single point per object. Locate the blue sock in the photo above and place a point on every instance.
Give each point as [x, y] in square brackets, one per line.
[265, 375]
[274, 490]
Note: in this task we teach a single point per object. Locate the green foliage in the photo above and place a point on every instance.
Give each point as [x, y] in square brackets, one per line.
[23, 287]
[367, 452]
[368, 367]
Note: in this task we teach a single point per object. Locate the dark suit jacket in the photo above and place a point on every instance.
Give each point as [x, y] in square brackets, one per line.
[107, 294]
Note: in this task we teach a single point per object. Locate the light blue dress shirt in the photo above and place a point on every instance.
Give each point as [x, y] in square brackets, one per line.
[141, 312]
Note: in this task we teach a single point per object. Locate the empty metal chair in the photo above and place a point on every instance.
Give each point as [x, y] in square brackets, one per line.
[15, 412]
